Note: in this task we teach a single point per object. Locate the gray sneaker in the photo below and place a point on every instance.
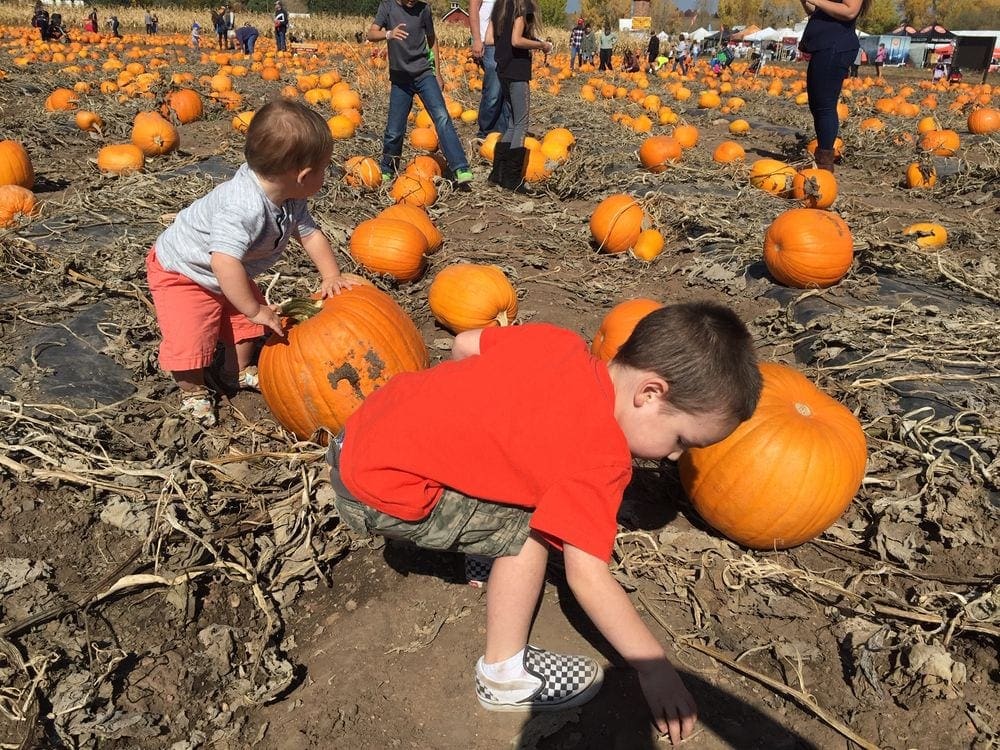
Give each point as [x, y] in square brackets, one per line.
[559, 682]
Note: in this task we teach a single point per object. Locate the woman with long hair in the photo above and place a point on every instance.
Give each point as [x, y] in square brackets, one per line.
[831, 40]
[514, 37]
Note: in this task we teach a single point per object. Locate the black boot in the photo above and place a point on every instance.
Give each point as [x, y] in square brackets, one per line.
[512, 176]
[824, 158]
[500, 150]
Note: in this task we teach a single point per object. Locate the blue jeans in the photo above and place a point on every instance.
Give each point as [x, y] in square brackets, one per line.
[280, 36]
[824, 80]
[400, 103]
[494, 113]
[574, 56]
[249, 44]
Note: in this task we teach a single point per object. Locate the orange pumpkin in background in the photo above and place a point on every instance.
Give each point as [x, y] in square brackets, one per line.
[616, 223]
[153, 134]
[787, 473]
[15, 165]
[464, 296]
[815, 188]
[389, 246]
[417, 217]
[808, 248]
[618, 325]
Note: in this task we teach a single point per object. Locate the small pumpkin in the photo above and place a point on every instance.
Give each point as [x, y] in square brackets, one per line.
[787, 473]
[15, 165]
[341, 127]
[417, 217]
[728, 152]
[185, 105]
[927, 234]
[336, 352]
[464, 296]
[771, 176]
[16, 203]
[649, 245]
[362, 171]
[657, 152]
[424, 139]
[413, 189]
[616, 223]
[686, 135]
[940, 142]
[807, 248]
[424, 165]
[241, 121]
[984, 120]
[816, 188]
[618, 325]
[488, 145]
[120, 158]
[62, 100]
[88, 122]
[739, 127]
[389, 246]
[153, 134]
[921, 175]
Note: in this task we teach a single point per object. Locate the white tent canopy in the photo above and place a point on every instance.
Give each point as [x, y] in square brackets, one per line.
[787, 32]
[764, 35]
[699, 34]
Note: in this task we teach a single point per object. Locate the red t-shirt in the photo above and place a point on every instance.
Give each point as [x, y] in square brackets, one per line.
[528, 422]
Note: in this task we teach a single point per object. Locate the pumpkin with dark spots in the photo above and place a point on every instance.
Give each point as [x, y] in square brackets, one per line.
[336, 352]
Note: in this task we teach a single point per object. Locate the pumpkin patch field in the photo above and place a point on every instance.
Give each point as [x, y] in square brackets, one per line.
[824, 578]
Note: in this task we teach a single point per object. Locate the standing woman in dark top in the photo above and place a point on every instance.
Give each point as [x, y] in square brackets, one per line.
[831, 40]
[514, 38]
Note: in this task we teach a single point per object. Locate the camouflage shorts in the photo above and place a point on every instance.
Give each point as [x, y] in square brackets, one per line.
[457, 522]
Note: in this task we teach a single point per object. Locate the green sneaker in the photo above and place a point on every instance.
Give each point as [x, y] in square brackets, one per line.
[463, 176]
[388, 177]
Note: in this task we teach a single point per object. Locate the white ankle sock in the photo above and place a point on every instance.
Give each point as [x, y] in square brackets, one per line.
[506, 670]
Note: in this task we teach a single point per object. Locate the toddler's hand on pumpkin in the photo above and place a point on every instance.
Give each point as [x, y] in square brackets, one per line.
[334, 285]
[267, 316]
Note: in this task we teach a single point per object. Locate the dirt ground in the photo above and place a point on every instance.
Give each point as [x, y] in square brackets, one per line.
[166, 586]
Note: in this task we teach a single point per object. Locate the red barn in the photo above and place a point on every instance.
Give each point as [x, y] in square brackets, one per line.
[457, 15]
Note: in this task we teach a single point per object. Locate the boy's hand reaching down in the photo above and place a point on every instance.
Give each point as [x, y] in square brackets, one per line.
[673, 708]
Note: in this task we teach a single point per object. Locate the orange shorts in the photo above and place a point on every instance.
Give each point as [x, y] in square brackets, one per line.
[193, 320]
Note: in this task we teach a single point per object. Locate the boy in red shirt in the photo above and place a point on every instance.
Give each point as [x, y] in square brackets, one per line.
[524, 441]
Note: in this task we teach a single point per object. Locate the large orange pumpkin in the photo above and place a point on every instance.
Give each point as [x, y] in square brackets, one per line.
[618, 325]
[389, 246]
[464, 296]
[808, 248]
[657, 152]
[362, 171]
[15, 165]
[329, 363]
[418, 218]
[616, 223]
[153, 134]
[728, 152]
[62, 100]
[940, 142]
[786, 474]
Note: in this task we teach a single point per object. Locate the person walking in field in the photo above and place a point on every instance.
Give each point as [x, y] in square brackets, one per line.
[513, 28]
[576, 45]
[606, 43]
[523, 443]
[407, 28]
[201, 268]
[493, 115]
[280, 27]
[832, 43]
[880, 57]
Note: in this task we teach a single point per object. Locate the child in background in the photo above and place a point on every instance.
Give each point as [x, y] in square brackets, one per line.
[407, 27]
[524, 442]
[201, 267]
[196, 35]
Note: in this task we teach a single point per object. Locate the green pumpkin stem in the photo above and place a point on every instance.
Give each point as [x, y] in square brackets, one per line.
[300, 309]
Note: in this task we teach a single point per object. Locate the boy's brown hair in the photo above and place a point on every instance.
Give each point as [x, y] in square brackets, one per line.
[285, 135]
[704, 352]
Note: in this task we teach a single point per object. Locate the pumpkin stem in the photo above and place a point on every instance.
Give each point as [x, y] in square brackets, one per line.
[803, 409]
[300, 308]
[502, 318]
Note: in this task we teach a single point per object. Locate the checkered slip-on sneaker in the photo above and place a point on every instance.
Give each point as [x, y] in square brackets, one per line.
[477, 570]
[200, 406]
[566, 681]
[249, 380]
